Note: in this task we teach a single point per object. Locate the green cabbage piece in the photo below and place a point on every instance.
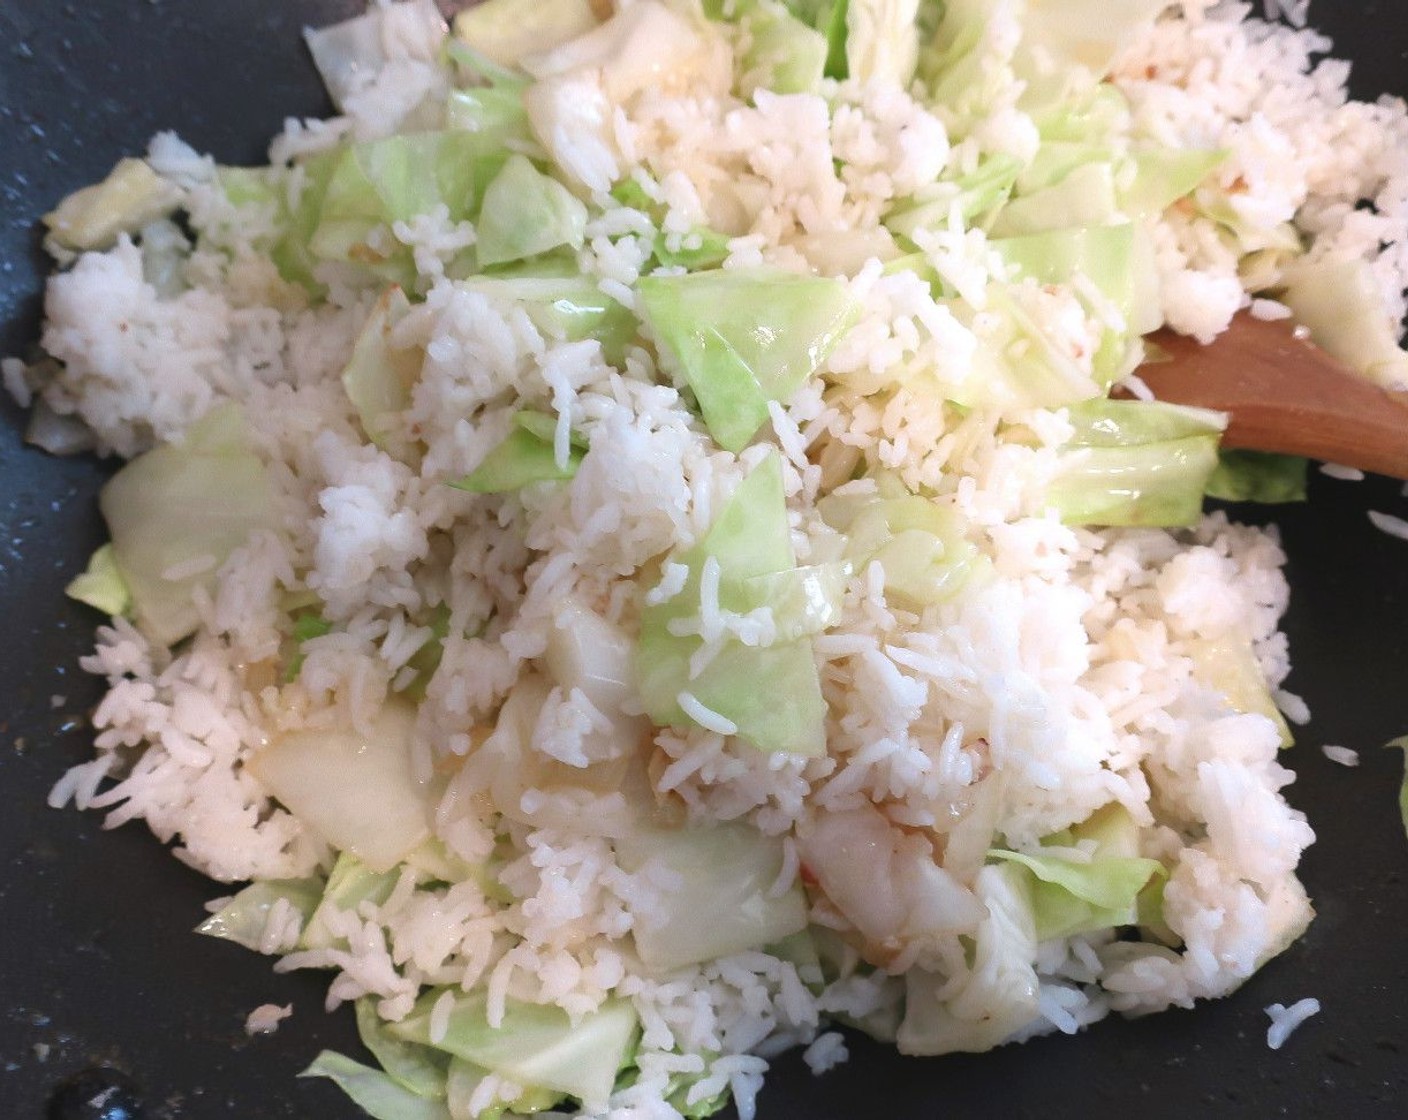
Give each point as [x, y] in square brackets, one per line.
[525, 456]
[379, 377]
[1112, 258]
[1084, 197]
[534, 1046]
[495, 114]
[975, 196]
[829, 18]
[1402, 744]
[1085, 33]
[567, 309]
[1136, 463]
[1164, 175]
[699, 250]
[464, 1079]
[882, 40]
[242, 919]
[101, 585]
[784, 55]
[377, 183]
[724, 871]
[1258, 476]
[292, 252]
[741, 339]
[1019, 365]
[267, 189]
[306, 627]
[1247, 235]
[525, 213]
[1056, 159]
[505, 31]
[131, 197]
[1070, 897]
[1341, 303]
[1118, 260]
[345, 53]
[1228, 663]
[376, 1093]
[771, 693]
[421, 1069]
[964, 70]
[184, 503]
[921, 545]
[350, 883]
[1000, 992]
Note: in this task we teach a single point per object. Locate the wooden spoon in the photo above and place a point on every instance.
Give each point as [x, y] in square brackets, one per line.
[1284, 394]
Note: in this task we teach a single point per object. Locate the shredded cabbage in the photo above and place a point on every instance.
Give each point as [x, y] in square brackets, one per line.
[534, 1046]
[375, 1092]
[741, 339]
[176, 513]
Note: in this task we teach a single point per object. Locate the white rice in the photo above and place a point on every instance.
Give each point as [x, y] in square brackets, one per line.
[1284, 1020]
[1389, 523]
[265, 1018]
[1080, 673]
[1343, 755]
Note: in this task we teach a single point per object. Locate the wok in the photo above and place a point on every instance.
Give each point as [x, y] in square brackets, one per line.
[97, 964]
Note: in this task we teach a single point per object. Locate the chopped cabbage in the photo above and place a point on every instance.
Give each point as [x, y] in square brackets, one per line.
[357, 791]
[725, 871]
[770, 692]
[1258, 476]
[1071, 896]
[526, 213]
[349, 54]
[1228, 663]
[177, 512]
[1340, 302]
[100, 585]
[785, 55]
[375, 184]
[350, 883]
[1136, 463]
[996, 995]
[379, 378]
[506, 31]
[1164, 175]
[421, 1069]
[463, 1081]
[243, 919]
[525, 456]
[920, 544]
[534, 1046]
[132, 196]
[373, 1091]
[495, 114]
[569, 309]
[882, 40]
[741, 339]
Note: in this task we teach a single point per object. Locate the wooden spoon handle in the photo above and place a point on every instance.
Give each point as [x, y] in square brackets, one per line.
[1284, 394]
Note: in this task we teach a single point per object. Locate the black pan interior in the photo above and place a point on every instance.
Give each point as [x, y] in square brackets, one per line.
[96, 961]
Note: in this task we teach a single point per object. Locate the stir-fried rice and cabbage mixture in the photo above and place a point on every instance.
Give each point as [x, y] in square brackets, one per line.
[628, 554]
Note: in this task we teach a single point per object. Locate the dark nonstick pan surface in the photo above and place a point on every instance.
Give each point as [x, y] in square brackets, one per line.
[97, 964]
